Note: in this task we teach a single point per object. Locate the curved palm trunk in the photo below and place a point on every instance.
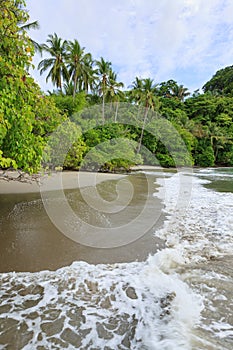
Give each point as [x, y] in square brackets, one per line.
[143, 128]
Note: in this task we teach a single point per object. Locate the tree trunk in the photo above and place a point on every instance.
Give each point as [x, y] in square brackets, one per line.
[143, 128]
[103, 112]
[116, 112]
[75, 85]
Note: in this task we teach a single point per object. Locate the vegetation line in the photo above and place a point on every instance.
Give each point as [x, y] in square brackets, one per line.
[28, 116]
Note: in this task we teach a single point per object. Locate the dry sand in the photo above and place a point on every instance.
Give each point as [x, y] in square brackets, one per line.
[58, 180]
[54, 181]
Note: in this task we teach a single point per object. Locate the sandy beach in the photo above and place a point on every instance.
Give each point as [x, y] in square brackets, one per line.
[54, 181]
[57, 180]
[31, 242]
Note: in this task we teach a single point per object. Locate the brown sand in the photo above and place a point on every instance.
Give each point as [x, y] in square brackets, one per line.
[70, 180]
[30, 242]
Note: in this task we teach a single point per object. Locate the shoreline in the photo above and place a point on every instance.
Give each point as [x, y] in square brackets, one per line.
[31, 242]
[19, 182]
[54, 181]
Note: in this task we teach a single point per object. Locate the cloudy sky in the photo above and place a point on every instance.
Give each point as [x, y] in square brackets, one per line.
[184, 40]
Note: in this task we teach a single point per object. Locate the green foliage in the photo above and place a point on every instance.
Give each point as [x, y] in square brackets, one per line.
[221, 83]
[171, 90]
[7, 162]
[225, 156]
[211, 122]
[68, 104]
[47, 117]
[110, 148]
[75, 155]
[204, 155]
[25, 116]
[59, 131]
[112, 155]
[60, 143]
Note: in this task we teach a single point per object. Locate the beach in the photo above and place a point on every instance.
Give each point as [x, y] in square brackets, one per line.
[70, 180]
[172, 288]
[31, 242]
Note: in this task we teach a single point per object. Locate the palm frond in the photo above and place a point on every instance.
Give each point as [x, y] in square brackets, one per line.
[29, 26]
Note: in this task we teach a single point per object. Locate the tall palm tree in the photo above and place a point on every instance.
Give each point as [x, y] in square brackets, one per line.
[136, 90]
[114, 91]
[103, 71]
[56, 48]
[79, 65]
[144, 93]
[89, 74]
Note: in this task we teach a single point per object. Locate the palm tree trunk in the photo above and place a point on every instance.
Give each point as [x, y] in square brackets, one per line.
[116, 112]
[75, 85]
[143, 128]
[103, 112]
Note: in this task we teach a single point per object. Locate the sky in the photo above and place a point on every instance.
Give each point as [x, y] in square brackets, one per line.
[184, 40]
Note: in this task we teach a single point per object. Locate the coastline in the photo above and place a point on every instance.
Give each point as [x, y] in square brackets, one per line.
[70, 180]
[18, 182]
[30, 241]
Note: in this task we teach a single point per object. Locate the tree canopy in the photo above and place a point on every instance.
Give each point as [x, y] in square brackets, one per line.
[153, 121]
[221, 83]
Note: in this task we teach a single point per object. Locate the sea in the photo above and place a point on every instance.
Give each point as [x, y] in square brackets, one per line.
[178, 297]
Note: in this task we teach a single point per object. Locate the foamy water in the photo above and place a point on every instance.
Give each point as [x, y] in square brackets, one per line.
[125, 306]
[200, 239]
[180, 298]
[204, 228]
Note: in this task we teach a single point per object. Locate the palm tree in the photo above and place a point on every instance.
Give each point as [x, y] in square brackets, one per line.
[89, 74]
[56, 48]
[68, 88]
[166, 88]
[103, 71]
[136, 90]
[170, 89]
[79, 65]
[180, 92]
[143, 93]
[114, 92]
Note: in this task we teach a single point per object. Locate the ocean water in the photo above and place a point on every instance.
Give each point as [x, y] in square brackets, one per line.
[201, 239]
[179, 298]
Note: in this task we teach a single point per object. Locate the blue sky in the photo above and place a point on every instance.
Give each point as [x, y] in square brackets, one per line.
[184, 40]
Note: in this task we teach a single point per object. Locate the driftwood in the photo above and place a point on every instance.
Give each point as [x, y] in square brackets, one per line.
[18, 175]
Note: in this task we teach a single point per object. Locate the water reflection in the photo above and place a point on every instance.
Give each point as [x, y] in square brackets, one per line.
[30, 242]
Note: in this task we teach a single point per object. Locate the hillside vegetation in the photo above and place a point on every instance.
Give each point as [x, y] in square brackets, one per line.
[95, 121]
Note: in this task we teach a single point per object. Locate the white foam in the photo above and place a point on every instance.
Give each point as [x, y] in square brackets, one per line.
[159, 310]
[204, 228]
[148, 302]
[195, 235]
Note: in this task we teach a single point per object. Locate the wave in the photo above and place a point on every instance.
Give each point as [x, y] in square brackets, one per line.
[152, 305]
[201, 239]
[201, 230]
[124, 306]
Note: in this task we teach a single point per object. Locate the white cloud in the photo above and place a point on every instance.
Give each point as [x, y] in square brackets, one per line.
[145, 37]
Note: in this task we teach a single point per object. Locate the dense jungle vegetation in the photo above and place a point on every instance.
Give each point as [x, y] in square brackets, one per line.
[97, 123]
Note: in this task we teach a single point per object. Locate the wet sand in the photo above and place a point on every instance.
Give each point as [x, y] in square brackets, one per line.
[31, 242]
